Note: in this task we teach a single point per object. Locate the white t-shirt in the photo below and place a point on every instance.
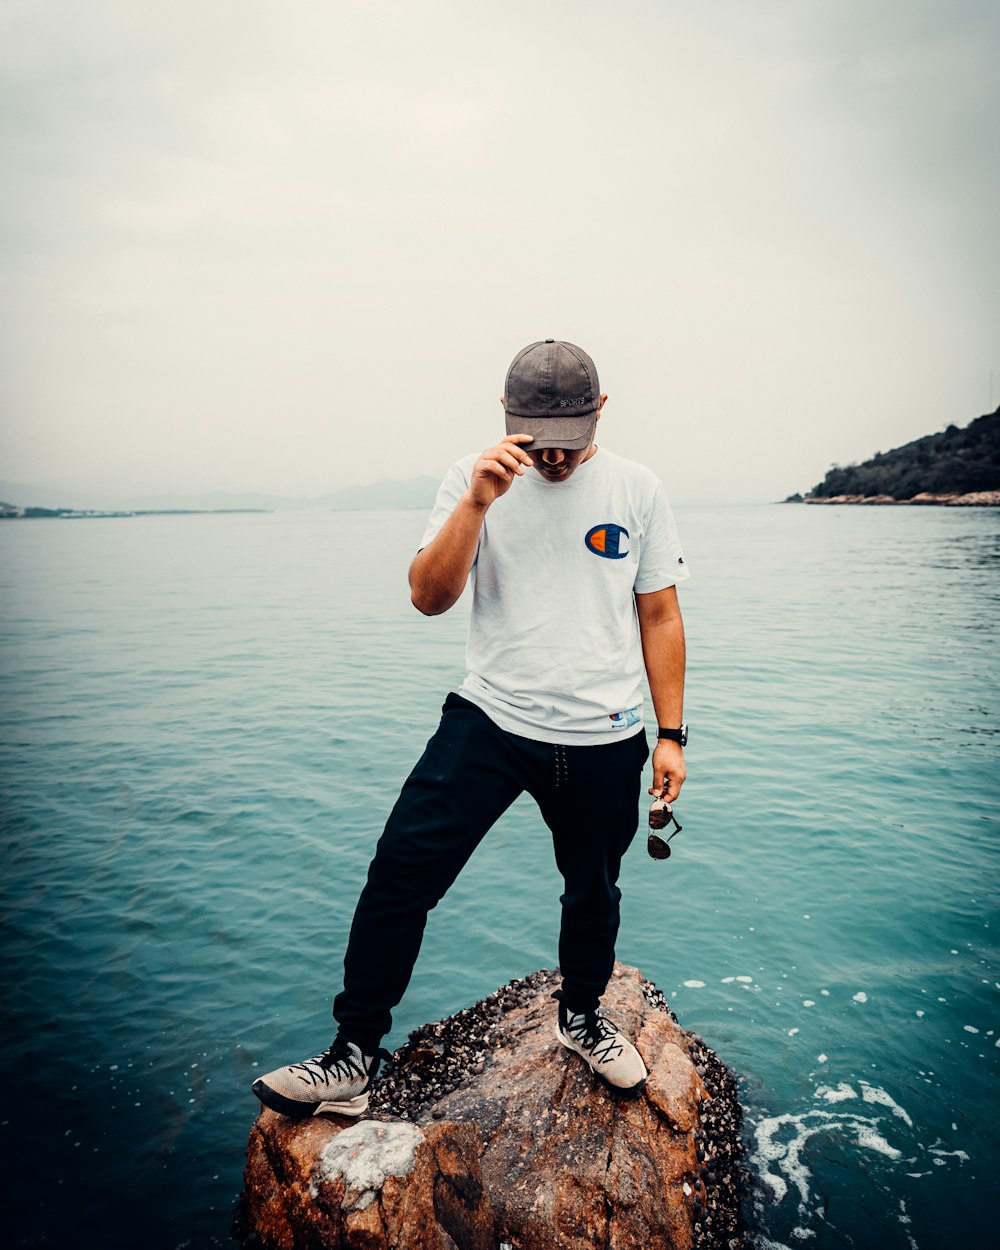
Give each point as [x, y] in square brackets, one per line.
[554, 652]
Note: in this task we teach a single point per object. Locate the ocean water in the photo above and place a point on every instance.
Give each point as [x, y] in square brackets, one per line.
[204, 721]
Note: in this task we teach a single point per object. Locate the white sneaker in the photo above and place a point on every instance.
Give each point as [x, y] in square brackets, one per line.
[339, 1080]
[598, 1042]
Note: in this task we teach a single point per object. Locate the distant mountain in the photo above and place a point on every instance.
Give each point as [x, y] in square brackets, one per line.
[954, 462]
[416, 492]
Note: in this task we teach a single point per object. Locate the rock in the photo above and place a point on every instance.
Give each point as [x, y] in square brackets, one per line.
[866, 499]
[973, 499]
[925, 497]
[485, 1132]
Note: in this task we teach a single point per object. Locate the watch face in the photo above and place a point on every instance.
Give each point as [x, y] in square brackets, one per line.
[684, 735]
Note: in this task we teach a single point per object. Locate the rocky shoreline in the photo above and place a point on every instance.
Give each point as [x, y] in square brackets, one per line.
[497, 1136]
[973, 499]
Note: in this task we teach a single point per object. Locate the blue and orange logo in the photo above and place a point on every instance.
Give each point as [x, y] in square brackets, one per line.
[608, 540]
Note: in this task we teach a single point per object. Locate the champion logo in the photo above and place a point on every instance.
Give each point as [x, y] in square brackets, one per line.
[608, 540]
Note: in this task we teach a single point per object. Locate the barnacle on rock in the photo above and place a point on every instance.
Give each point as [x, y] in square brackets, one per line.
[452, 1054]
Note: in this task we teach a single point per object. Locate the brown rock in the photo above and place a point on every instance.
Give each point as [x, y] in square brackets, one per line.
[925, 497]
[865, 499]
[522, 1147]
[974, 499]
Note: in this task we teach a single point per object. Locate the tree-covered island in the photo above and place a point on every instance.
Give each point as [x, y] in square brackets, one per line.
[957, 466]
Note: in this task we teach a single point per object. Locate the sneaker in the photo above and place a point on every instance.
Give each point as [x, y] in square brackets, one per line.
[338, 1080]
[596, 1039]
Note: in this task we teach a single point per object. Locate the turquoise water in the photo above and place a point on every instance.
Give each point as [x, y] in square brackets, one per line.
[204, 720]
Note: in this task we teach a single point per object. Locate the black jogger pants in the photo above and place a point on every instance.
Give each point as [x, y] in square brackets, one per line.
[469, 774]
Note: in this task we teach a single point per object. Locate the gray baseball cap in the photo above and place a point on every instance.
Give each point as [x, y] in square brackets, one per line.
[552, 393]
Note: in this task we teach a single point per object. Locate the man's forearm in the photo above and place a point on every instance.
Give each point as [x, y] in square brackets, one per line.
[439, 572]
[662, 631]
[663, 651]
[664, 654]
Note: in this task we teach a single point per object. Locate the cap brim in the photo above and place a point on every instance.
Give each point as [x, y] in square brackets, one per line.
[568, 433]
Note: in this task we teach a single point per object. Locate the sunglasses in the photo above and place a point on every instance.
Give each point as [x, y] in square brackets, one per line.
[661, 816]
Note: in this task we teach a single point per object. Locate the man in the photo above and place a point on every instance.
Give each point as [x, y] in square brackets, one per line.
[574, 560]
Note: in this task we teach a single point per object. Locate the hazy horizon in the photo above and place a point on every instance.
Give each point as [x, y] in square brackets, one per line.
[292, 248]
[104, 494]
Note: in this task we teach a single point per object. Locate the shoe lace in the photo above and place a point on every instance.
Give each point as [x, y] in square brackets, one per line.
[593, 1030]
[342, 1060]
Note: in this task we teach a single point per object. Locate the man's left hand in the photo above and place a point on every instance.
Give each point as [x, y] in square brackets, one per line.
[669, 771]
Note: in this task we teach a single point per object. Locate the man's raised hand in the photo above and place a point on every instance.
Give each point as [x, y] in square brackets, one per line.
[496, 469]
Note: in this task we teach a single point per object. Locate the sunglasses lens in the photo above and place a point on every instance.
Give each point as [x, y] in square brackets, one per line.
[657, 847]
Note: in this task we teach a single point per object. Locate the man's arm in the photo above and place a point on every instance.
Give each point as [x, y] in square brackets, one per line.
[439, 571]
[662, 631]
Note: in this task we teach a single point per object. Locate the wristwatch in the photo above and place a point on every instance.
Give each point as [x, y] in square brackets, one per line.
[674, 735]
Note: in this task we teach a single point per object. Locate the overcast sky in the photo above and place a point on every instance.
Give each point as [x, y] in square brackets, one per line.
[293, 245]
